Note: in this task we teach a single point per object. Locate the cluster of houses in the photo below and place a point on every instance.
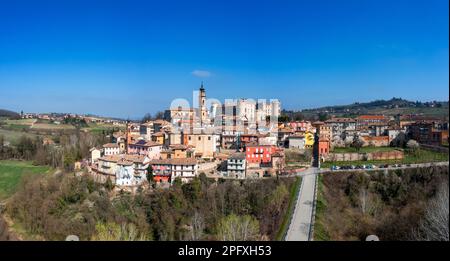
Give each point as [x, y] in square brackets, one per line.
[194, 140]
[57, 118]
[243, 136]
[371, 130]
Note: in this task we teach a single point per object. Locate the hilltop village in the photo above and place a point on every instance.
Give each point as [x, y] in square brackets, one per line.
[244, 139]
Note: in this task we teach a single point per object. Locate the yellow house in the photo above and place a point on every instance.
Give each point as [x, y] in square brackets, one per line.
[158, 137]
[309, 139]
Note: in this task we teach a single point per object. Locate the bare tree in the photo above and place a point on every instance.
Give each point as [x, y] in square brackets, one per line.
[238, 228]
[357, 142]
[413, 145]
[198, 226]
[435, 226]
[363, 199]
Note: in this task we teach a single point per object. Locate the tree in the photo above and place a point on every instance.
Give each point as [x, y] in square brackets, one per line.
[147, 117]
[177, 183]
[159, 115]
[357, 143]
[197, 226]
[238, 228]
[435, 226]
[413, 146]
[150, 175]
[108, 184]
[192, 190]
[399, 141]
[283, 118]
[323, 116]
[5, 234]
[343, 136]
[114, 232]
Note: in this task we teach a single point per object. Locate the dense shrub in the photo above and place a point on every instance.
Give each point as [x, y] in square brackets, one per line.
[388, 204]
[56, 206]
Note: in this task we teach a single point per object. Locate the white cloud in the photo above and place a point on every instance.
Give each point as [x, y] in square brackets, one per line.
[201, 74]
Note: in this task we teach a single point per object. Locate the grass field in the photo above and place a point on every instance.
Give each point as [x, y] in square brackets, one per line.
[24, 122]
[363, 149]
[52, 126]
[11, 172]
[421, 156]
[100, 127]
[14, 136]
[17, 125]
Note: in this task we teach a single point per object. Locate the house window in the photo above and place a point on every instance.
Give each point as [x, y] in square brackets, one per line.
[209, 138]
[199, 138]
[189, 138]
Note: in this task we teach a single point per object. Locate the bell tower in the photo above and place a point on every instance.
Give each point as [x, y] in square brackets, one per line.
[202, 104]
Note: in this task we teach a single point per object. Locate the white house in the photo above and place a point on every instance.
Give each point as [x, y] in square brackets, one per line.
[236, 165]
[169, 169]
[111, 149]
[95, 154]
[131, 170]
[297, 141]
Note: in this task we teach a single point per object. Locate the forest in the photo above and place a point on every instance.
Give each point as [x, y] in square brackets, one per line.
[408, 204]
[51, 207]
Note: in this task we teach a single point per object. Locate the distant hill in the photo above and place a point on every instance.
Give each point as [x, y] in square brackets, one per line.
[9, 114]
[393, 106]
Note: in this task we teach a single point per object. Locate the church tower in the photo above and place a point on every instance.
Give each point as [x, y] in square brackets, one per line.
[202, 105]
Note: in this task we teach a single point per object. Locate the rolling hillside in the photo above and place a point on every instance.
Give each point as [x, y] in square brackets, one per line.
[393, 106]
[9, 114]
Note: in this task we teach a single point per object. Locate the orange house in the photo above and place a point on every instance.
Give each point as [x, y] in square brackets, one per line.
[324, 146]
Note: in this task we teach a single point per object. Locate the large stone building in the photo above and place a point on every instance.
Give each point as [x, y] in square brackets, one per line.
[365, 121]
[205, 144]
[342, 130]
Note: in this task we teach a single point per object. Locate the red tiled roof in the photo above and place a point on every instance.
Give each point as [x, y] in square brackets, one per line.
[378, 138]
[185, 161]
[371, 117]
[144, 143]
[340, 120]
[124, 157]
[110, 145]
[158, 134]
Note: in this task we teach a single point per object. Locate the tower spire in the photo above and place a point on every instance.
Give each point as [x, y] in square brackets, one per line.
[201, 87]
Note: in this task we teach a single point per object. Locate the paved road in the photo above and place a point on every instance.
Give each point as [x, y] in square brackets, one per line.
[300, 226]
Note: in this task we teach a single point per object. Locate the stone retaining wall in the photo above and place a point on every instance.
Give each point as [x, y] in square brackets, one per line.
[381, 155]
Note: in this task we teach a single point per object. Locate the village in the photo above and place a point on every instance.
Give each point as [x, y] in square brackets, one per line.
[243, 139]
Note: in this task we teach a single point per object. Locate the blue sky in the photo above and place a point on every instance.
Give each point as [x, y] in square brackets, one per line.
[126, 58]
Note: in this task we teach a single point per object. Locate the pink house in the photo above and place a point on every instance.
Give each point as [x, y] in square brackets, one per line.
[149, 148]
[300, 125]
